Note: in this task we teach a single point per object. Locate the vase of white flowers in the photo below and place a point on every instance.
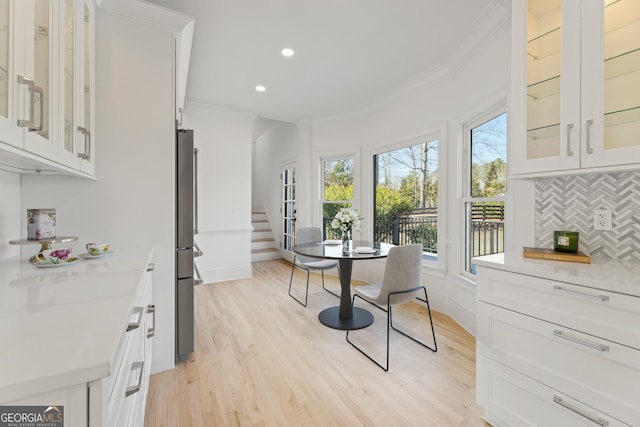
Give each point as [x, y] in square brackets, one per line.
[346, 220]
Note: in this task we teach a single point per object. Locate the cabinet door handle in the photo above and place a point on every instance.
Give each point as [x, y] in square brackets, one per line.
[151, 266]
[600, 347]
[38, 128]
[151, 309]
[560, 289]
[86, 154]
[569, 150]
[589, 147]
[135, 325]
[31, 85]
[135, 388]
[597, 420]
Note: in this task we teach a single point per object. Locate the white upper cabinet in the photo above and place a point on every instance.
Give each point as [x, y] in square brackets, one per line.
[184, 38]
[27, 75]
[575, 86]
[76, 100]
[37, 76]
[46, 85]
[6, 26]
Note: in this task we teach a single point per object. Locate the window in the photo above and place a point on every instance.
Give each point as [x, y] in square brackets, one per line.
[406, 196]
[337, 192]
[486, 188]
[288, 207]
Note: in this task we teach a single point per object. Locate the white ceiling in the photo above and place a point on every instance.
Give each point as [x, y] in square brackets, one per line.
[349, 53]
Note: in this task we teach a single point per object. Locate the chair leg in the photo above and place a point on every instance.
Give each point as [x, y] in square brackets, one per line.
[306, 295]
[331, 292]
[433, 332]
[386, 367]
[390, 326]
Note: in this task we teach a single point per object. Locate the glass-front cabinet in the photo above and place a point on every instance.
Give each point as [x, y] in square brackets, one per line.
[38, 77]
[8, 132]
[25, 74]
[46, 84]
[77, 147]
[575, 85]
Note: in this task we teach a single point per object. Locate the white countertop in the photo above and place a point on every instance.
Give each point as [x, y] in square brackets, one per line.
[603, 273]
[61, 326]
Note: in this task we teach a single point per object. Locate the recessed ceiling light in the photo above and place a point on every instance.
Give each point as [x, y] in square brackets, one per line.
[260, 88]
[288, 52]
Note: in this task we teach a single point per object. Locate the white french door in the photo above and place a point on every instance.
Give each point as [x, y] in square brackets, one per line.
[288, 211]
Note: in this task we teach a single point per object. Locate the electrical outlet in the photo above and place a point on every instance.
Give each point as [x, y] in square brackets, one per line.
[602, 220]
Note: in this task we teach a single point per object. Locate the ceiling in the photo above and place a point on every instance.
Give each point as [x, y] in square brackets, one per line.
[349, 53]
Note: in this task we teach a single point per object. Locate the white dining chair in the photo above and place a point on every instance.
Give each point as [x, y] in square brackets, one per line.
[400, 285]
[309, 235]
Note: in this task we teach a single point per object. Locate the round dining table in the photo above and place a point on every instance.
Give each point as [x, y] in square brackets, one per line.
[344, 316]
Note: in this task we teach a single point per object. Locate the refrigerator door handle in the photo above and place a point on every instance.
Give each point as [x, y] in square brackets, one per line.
[195, 190]
[197, 251]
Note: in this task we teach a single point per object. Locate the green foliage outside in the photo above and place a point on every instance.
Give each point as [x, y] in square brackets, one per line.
[489, 179]
[338, 187]
[427, 235]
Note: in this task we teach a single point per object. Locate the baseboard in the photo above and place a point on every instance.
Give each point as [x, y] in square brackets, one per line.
[227, 273]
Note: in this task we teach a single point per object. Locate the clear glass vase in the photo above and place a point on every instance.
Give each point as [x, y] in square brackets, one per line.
[346, 241]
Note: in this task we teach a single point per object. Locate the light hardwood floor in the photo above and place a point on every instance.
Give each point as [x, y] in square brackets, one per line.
[261, 359]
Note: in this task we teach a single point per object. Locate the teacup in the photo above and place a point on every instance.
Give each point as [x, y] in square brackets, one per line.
[53, 256]
[96, 249]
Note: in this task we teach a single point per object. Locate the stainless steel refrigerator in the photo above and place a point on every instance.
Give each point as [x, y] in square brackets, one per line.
[186, 249]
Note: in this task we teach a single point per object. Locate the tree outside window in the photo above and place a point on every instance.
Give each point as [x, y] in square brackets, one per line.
[484, 205]
[406, 196]
[337, 192]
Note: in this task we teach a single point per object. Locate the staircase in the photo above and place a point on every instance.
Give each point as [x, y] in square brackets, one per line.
[263, 245]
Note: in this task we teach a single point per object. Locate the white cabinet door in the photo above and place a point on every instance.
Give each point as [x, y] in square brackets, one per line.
[546, 86]
[10, 133]
[576, 86]
[86, 98]
[76, 105]
[40, 59]
[27, 75]
[610, 83]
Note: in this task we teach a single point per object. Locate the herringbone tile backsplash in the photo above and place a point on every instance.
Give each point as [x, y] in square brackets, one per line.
[567, 203]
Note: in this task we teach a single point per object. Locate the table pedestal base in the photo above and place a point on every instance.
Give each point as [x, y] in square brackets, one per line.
[331, 317]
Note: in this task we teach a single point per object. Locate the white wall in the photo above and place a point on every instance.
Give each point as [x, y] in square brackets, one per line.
[10, 213]
[273, 150]
[132, 203]
[223, 137]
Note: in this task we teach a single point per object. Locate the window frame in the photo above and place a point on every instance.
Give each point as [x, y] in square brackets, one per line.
[477, 120]
[322, 201]
[439, 135]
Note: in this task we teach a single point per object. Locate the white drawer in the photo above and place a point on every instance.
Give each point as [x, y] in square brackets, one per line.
[601, 313]
[600, 373]
[511, 399]
[130, 374]
[125, 373]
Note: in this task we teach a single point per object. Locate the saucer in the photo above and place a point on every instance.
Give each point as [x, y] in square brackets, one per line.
[89, 256]
[68, 261]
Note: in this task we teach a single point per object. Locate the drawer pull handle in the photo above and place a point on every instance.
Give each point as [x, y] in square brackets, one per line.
[135, 388]
[135, 325]
[151, 308]
[599, 347]
[560, 289]
[600, 421]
